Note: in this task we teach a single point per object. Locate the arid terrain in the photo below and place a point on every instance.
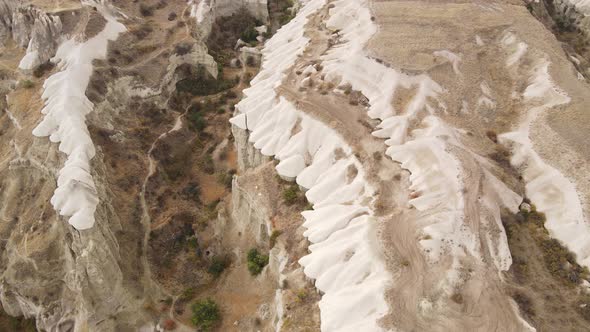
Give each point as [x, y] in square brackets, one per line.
[317, 165]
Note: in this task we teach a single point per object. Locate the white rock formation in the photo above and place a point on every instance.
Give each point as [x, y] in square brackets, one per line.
[66, 107]
[345, 259]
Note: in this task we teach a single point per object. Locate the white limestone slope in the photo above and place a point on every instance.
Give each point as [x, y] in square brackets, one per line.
[552, 192]
[344, 256]
[436, 173]
[66, 107]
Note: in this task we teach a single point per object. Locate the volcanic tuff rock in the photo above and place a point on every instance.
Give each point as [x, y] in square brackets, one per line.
[31, 28]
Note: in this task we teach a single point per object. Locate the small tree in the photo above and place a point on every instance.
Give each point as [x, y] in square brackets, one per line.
[205, 314]
[290, 195]
[27, 84]
[256, 261]
[146, 10]
[249, 34]
[218, 264]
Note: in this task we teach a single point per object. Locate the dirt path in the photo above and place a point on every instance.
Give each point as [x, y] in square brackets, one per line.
[416, 301]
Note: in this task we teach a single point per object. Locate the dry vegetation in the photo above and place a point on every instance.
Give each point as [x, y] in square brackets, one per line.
[545, 280]
[567, 30]
[20, 324]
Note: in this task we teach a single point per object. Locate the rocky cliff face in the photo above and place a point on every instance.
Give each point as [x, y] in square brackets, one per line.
[30, 28]
[65, 279]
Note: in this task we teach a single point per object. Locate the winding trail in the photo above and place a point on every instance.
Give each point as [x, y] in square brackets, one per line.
[419, 298]
[146, 221]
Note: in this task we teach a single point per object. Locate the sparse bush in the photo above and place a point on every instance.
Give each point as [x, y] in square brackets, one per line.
[187, 294]
[291, 195]
[256, 261]
[492, 136]
[250, 62]
[560, 262]
[286, 17]
[161, 4]
[146, 10]
[225, 179]
[249, 35]
[457, 298]
[226, 31]
[209, 213]
[206, 164]
[231, 94]
[27, 84]
[273, 237]
[143, 31]
[203, 84]
[206, 314]
[196, 121]
[524, 304]
[218, 265]
[501, 156]
[302, 295]
[192, 192]
[183, 48]
[43, 68]
[172, 16]
[192, 242]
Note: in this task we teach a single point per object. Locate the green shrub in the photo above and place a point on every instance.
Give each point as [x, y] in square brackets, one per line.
[27, 84]
[206, 314]
[286, 18]
[249, 35]
[146, 10]
[291, 195]
[525, 304]
[256, 261]
[273, 237]
[302, 295]
[231, 94]
[206, 164]
[203, 84]
[43, 68]
[225, 179]
[557, 258]
[192, 242]
[192, 192]
[218, 264]
[196, 121]
[187, 294]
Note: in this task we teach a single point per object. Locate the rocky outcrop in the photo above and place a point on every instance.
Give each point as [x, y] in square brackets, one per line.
[248, 155]
[63, 278]
[32, 29]
[207, 11]
[188, 61]
[257, 213]
[258, 8]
